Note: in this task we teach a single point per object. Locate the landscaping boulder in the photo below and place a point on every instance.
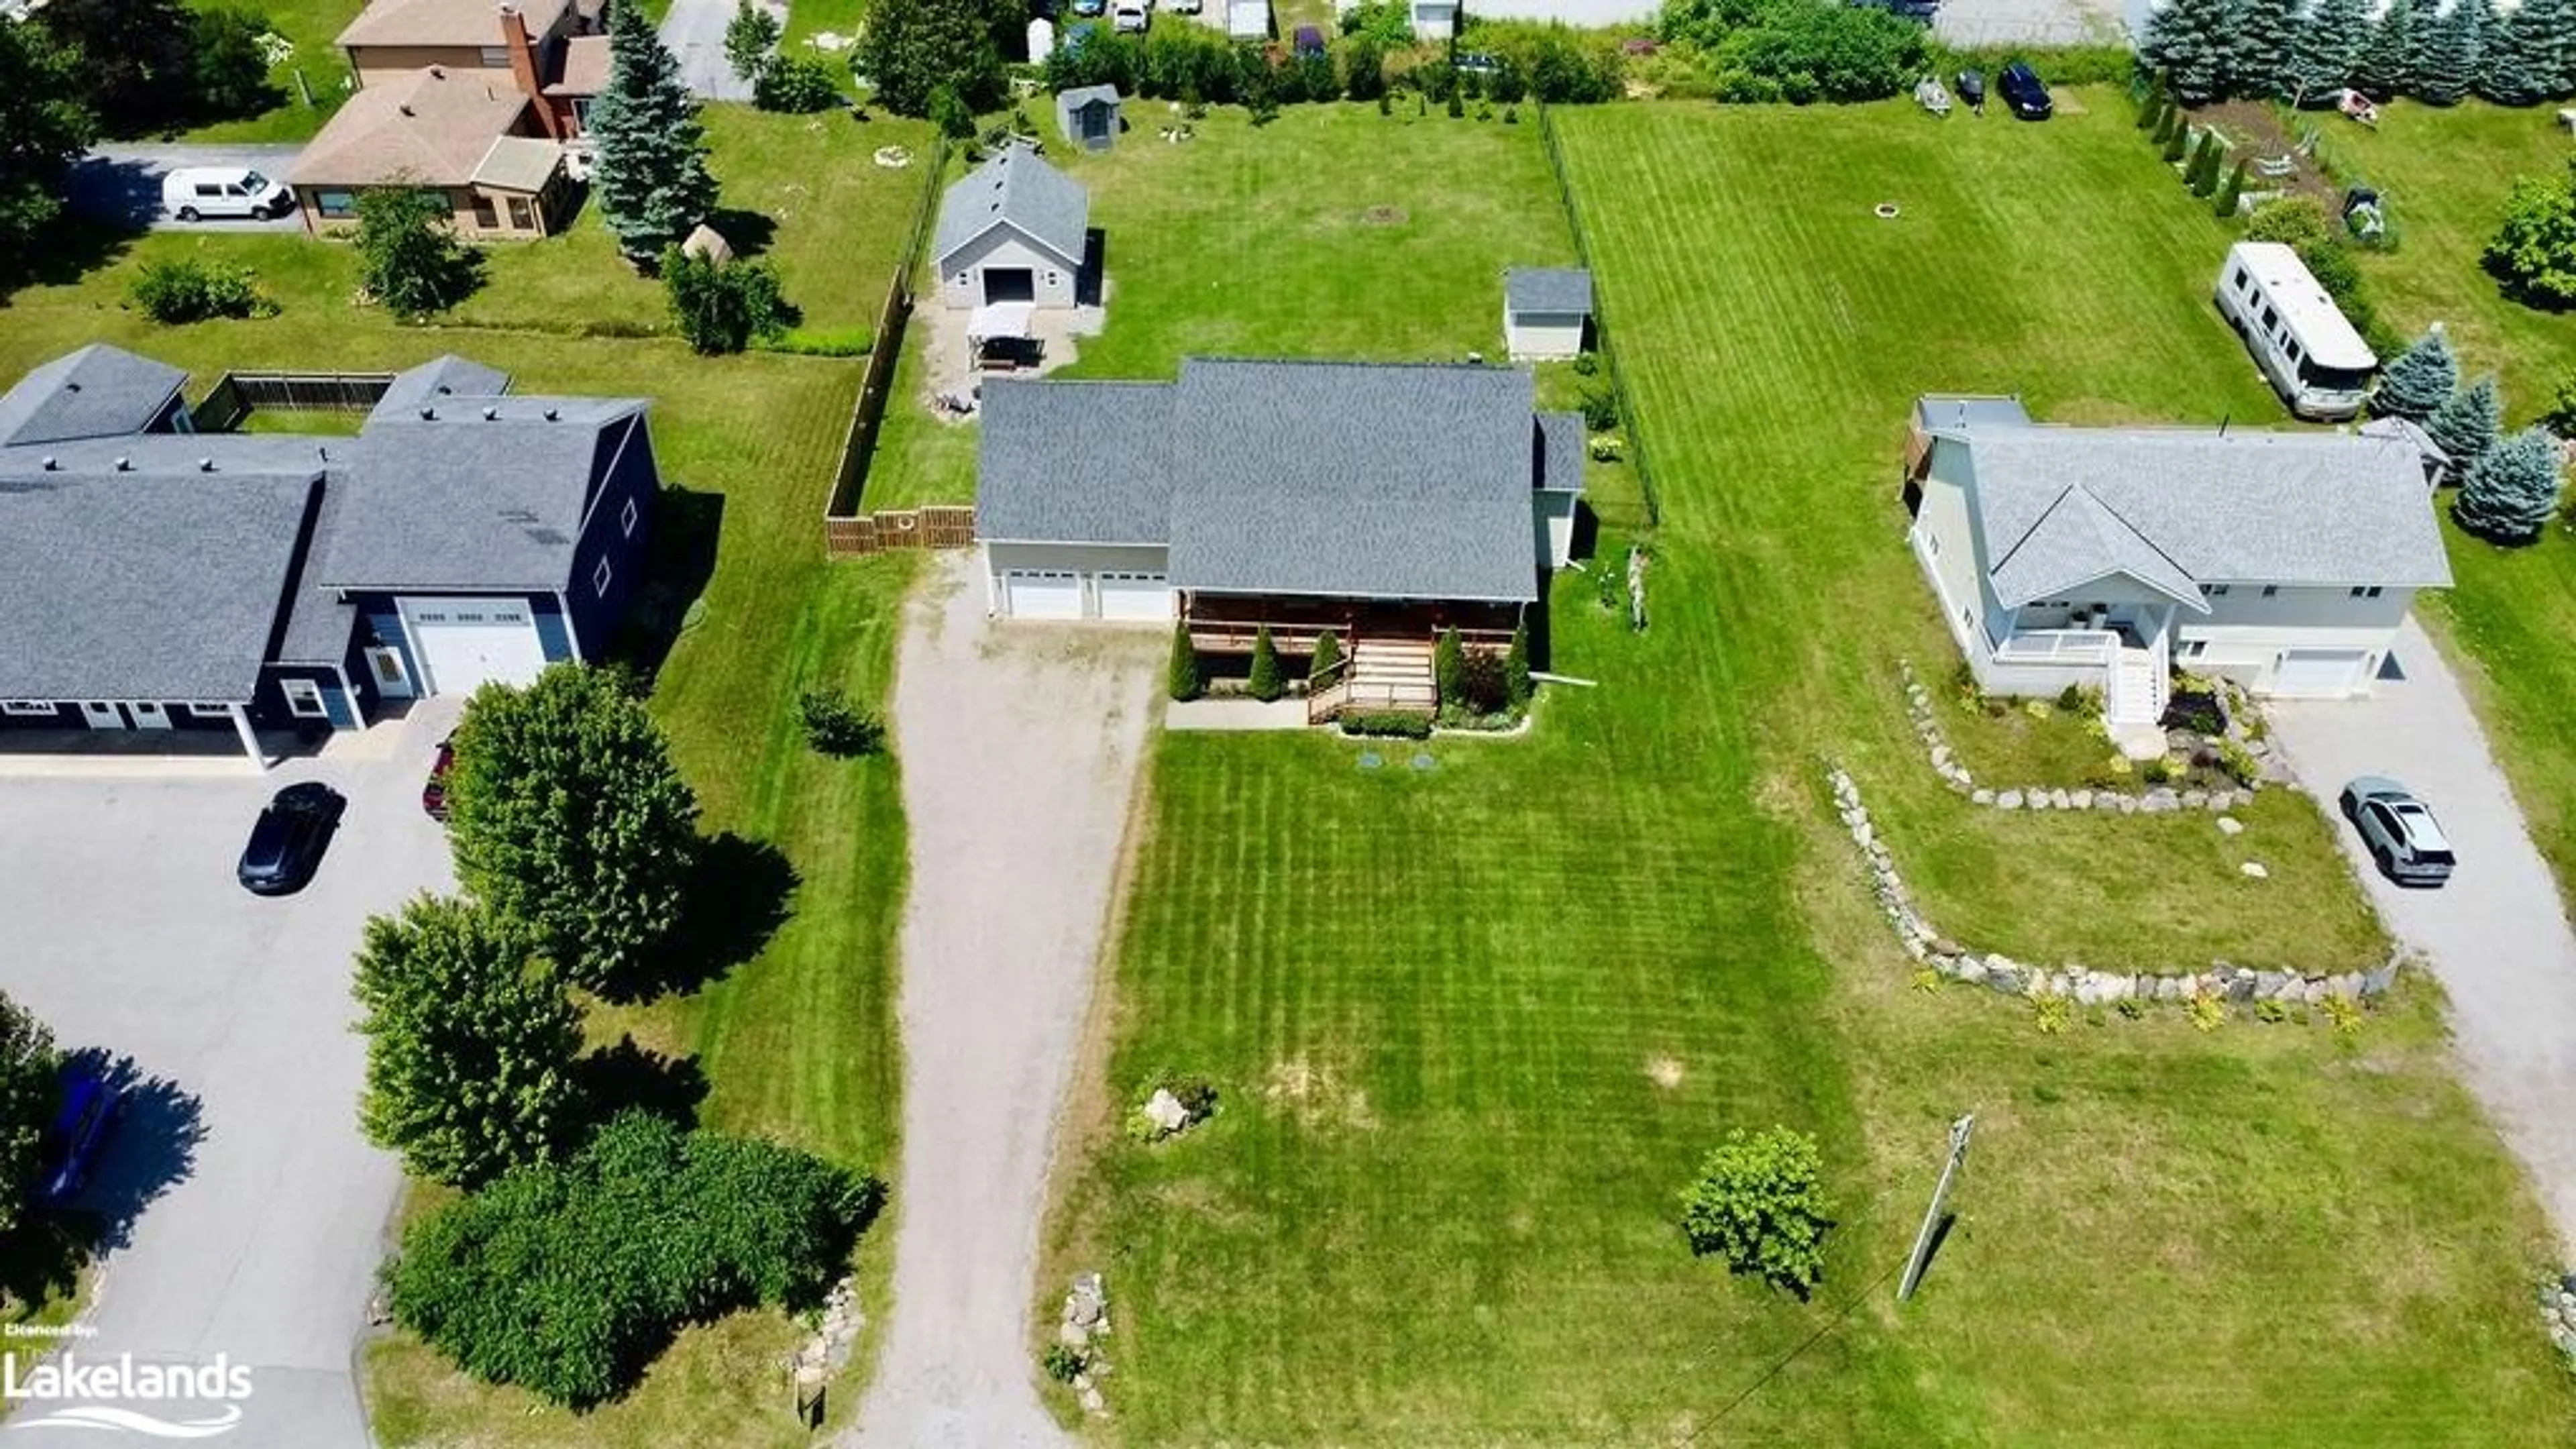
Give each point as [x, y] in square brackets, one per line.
[1166, 1112]
[709, 244]
[2230, 825]
[2008, 800]
[2254, 869]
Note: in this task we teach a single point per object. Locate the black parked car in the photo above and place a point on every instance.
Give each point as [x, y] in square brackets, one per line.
[2024, 92]
[286, 845]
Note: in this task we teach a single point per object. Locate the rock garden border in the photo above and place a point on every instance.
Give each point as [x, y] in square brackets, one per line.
[2157, 799]
[2225, 984]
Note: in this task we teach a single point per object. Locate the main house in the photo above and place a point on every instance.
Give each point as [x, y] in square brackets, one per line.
[462, 98]
[2108, 556]
[156, 578]
[1376, 501]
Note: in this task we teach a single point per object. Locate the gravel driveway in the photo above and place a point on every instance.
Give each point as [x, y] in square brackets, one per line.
[2496, 935]
[123, 183]
[247, 1214]
[1019, 746]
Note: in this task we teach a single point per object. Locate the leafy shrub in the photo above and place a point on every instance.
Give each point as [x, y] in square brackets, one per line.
[2207, 1011]
[1448, 666]
[2296, 220]
[834, 726]
[1389, 724]
[1388, 22]
[228, 62]
[1061, 1363]
[2113, 773]
[30, 1095]
[1760, 1203]
[2534, 252]
[2050, 1011]
[2560, 418]
[1600, 409]
[1484, 683]
[2270, 1011]
[797, 84]
[721, 306]
[408, 254]
[2344, 1013]
[1799, 50]
[2157, 771]
[1516, 668]
[568, 1279]
[2130, 1007]
[1927, 980]
[188, 290]
[2239, 762]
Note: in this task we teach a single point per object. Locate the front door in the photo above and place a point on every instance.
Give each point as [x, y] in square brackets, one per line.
[148, 715]
[393, 681]
[100, 714]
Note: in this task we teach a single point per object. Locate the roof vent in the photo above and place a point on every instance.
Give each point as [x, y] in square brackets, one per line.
[429, 415]
[491, 415]
[554, 415]
[125, 465]
[405, 108]
[75, 386]
[436, 72]
[205, 465]
[52, 463]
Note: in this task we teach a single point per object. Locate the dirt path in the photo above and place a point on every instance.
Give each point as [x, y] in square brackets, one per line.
[1019, 747]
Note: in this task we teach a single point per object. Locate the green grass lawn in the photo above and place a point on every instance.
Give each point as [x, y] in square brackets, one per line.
[2446, 173]
[798, 1043]
[1474, 1025]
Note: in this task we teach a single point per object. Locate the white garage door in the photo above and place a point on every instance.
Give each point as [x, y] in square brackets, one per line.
[463, 643]
[1136, 596]
[2318, 673]
[1042, 594]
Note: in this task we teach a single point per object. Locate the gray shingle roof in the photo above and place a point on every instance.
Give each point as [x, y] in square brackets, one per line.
[143, 586]
[1075, 462]
[1561, 448]
[438, 379]
[466, 501]
[99, 391]
[1042, 203]
[1548, 289]
[2181, 508]
[2410, 432]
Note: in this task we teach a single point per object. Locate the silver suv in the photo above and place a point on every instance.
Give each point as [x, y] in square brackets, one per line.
[2401, 833]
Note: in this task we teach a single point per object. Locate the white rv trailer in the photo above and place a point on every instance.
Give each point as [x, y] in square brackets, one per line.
[2313, 357]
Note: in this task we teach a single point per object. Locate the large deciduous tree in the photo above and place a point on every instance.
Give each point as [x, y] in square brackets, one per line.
[47, 128]
[650, 174]
[408, 254]
[913, 47]
[566, 814]
[749, 38]
[2194, 42]
[137, 70]
[2419, 381]
[2534, 252]
[29, 1095]
[2512, 492]
[470, 1042]
[1760, 1204]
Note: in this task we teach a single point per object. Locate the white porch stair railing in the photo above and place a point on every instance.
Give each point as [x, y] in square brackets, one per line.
[2138, 684]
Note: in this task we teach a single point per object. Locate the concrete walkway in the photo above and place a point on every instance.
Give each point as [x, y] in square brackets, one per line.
[2496, 934]
[1019, 747]
[1235, 713]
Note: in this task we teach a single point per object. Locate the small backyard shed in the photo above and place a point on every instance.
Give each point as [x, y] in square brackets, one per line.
[1088, 116]
[1546, 311]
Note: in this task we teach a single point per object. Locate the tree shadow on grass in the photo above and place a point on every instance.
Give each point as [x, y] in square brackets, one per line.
[78, 243]
[680, 560]
[749, 233]
[739, 892]
[628, 1077]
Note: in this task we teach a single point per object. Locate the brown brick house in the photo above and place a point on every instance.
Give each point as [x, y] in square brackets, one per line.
[552, 51]
[467, 134]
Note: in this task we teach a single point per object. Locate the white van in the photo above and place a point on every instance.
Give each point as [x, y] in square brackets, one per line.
[1129, 17]
[193, 193]
[2315, 360]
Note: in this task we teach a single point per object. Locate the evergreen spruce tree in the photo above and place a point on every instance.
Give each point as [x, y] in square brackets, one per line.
[2192, 42]
[2266, 40]
[2555, 21]
[2525, 61]
[1181, 676]
[2389, 57]
[2151, 108]
[2512, 492]
[1328, 657]
[2468, 423]
[2326, 47]
[2232, 189]
[2202, 174]
[2452, 42]
[650, 175]
[2419, 381]
[1516, 668]
[2167, 121]
[2178, 141]
[1265, 684]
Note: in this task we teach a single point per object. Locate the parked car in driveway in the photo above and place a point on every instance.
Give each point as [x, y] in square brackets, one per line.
[196, 193]
[2024, 92]
[1089, 7]
[2400, 831]
[69, 1148]
[433, 793]
[287, 841]
[1130, 17]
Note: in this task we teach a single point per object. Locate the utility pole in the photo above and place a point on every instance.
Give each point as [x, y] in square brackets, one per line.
[1921, 1257]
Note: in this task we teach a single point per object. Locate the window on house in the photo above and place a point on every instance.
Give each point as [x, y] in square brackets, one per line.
[27, 708]
[304, 699]
[496, 57]
[2213, 591]
[2371, 592]
[484, 214]
[523, 216]
[626, 518]
[209, 708]
[2270, 590]
[599, 579]
[2193, 648]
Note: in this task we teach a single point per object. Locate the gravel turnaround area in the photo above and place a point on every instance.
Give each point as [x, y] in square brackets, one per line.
[1020, 745]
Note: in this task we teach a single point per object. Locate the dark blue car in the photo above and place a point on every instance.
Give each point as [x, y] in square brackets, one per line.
[72, 1144]
[287, 841]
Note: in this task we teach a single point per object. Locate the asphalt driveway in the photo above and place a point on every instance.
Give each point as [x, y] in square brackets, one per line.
[695, 32]
[1019, 745]
[122, 184]
[2496, 934]
[246, 1214]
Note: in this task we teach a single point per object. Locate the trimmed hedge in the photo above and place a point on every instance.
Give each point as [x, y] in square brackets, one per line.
[1392, 724]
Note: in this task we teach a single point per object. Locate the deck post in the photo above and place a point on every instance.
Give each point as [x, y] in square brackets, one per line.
[249, 737]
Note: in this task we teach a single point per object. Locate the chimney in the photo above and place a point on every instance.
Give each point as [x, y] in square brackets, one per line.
[525, 71]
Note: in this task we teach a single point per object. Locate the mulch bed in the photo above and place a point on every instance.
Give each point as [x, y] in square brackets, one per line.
[2256, 133]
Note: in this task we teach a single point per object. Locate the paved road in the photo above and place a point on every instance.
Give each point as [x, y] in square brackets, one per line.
[1019, 748]
[1972, 23]
[2496, 935]
[695, 32]
[254, 1212]
[123, 183]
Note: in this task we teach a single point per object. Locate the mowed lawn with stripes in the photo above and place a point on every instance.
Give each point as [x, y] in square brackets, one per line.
[1475, 1017]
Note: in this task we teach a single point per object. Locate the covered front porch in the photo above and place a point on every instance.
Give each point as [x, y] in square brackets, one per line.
[1227, 623]
[2124, 649]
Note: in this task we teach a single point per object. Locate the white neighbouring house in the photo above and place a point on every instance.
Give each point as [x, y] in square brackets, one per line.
[2110, 556]
[1014, 232]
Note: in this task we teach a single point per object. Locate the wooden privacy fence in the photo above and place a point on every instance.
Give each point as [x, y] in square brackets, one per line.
[235, 394]
[847, 532]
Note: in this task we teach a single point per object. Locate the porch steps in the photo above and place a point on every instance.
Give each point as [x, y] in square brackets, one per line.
[2138, 694]
[1392, 674]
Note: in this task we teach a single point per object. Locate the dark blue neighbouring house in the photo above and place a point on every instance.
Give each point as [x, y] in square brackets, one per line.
[153, 578]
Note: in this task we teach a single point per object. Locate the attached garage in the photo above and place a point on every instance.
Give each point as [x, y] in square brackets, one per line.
[463, 644]
[1144, 598]
[2320, 673]
[1042, 594]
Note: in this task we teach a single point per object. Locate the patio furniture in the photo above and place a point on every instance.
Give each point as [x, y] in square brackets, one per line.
[2277, 167]
[2358, 106]
[1930, 96]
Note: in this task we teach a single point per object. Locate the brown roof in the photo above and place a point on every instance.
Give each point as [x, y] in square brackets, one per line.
[433, 126]
[583, 71]
[444, 22]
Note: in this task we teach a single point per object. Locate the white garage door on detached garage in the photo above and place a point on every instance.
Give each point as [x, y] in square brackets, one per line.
[1042, 594]
[2319, 673]
[462, 644]
[1138, 597]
